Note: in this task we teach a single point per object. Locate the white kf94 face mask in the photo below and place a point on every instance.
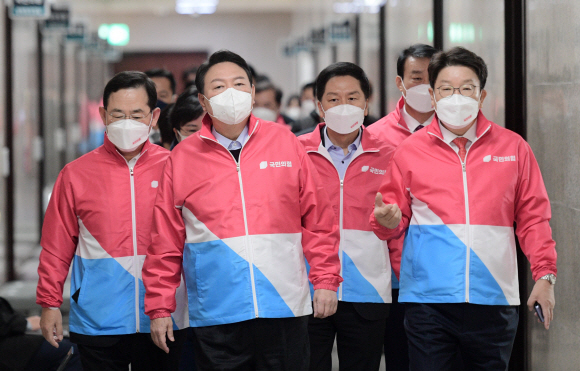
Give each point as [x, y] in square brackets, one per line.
[418, 98]
[457, 111]
[265, 114]
[127, 135]
[231, 106]
[344, 119]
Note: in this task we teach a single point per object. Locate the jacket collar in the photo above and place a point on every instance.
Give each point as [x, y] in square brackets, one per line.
[110, 147]
[483, 126]
[206, 125]
[399, 114]
[368, 143]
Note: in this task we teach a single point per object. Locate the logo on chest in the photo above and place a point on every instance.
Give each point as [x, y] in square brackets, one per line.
[489, 158]
[373, 170]
[264, 164]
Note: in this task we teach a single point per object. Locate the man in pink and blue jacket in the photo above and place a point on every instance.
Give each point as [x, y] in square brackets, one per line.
[239, 207]
[455, 189]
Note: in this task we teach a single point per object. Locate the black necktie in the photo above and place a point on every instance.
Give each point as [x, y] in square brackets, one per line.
[418, 128]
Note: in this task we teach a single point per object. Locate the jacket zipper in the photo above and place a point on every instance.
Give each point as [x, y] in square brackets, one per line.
[467, 218]
[135, 256]
[247, 237]
[340, 250]
[250, 249]
[341, 206]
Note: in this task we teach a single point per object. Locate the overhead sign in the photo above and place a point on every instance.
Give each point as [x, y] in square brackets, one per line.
[29, 9]
[76, 32]
[59, 18]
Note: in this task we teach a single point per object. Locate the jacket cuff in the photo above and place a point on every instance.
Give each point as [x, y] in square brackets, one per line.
[160, 313]
[543, 272]
[326, 286]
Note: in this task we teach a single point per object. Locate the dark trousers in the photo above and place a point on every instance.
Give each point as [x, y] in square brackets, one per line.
[359, 340]
[279, 344]
[138, 350]
[484, 334]
[396, 348]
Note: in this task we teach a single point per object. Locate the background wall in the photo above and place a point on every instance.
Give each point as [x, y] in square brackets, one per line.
[256, 37]
[553, 91]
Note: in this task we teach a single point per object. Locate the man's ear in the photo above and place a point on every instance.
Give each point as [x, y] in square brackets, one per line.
[433, 103]
[103, 114]
[482, 97]
[155, 117]
[399, 83]
[320, 110]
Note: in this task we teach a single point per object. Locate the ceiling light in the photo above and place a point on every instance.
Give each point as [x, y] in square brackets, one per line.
[196, 6]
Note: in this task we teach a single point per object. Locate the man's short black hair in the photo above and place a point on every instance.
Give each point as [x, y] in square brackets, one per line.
[267, 85]
[220, 56]
[415, 51]
[131, 80]
[342, 69]
[457, 56]
[160, 72]
[187, 108]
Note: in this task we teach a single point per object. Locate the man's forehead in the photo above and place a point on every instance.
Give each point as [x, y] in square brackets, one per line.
[413, 64]
[225, 70]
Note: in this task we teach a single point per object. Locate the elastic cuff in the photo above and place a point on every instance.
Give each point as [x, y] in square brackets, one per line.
[159, 314]
[326, 286]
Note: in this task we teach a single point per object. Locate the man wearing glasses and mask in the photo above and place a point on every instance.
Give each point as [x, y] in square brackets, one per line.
[239, 207]
[455, 189]
[99, 218]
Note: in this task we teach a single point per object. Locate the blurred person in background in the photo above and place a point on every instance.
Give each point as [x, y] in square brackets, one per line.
[188, 77]
[165, 86]
[186, 115]
[268, 102]
[293, 107]
[165, 129]
[351, 163]
[23, 350]
[99, 219]
[309, 116]
[412, 113]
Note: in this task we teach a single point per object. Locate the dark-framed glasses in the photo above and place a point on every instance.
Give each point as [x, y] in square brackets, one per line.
[467, 90]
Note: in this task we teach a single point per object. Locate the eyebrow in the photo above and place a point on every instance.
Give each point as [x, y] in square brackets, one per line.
[121, 111]
[221, 80]
[416, 71]
[464, 81]
[349, 93]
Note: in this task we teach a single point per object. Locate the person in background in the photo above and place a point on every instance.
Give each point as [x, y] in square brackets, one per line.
[293, 107]
[351, 163]
[99, 218]
[186, 115]
[165, 130]
[188, 77]
[413, 112]
[456, 189]
[242, 248]
[30, 352]
[268, 102]
[165, 87]
[309, 115]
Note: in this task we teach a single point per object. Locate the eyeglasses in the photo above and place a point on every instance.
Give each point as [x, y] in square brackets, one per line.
[134, 116]
[466, 90]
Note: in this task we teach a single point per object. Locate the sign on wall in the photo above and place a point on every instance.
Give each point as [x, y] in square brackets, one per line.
[29, 9]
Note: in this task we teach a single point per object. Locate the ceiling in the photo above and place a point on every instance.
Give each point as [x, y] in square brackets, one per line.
[167, 7]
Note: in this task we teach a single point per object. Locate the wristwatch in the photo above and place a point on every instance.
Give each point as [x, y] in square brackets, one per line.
[550, 277]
